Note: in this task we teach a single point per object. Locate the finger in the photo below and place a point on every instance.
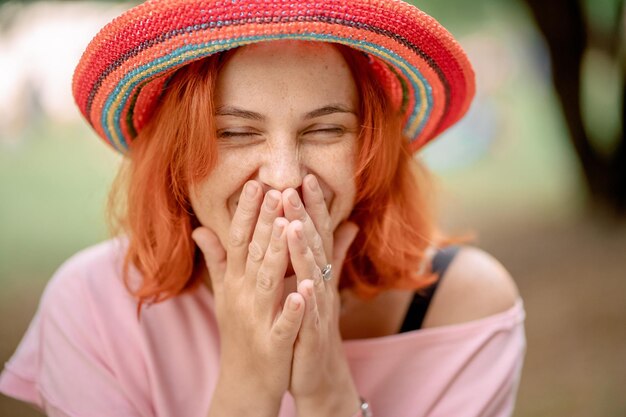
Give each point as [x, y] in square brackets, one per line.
[294, 210]
[214, 255]
[287, 325]
[270, 210]
[323, 294]
[317, 210]
[344, 236]
[271, 273]
[302, 259]
[242, 226]
[310, 328]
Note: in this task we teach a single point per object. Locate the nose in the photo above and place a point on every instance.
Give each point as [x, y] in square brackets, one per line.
[282, 168]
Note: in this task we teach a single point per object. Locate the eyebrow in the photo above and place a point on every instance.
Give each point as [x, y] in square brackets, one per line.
[250, 115]
[237, 112]
[323, 111]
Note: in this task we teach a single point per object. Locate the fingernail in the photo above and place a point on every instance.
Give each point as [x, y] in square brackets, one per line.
[250, 190]
[313, 186]
[299, 233]
[294, 303]
[270, 202]
[278, 229]
[294, 200]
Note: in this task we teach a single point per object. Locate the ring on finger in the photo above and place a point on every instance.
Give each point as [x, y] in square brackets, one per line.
[327, 272]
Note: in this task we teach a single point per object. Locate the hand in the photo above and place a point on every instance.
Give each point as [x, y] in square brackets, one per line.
[257, 336]
[320, 370]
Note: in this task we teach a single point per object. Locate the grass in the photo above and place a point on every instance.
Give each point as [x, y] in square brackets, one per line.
[53, 187]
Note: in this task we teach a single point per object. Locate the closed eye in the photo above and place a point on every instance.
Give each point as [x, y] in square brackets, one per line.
[228, 134]
[335, 131]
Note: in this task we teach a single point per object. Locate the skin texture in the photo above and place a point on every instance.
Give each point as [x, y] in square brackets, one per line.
[280, 150]
[274, 206]
[266, 132]
[273, 213]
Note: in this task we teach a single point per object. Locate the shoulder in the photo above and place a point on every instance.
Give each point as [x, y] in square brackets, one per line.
[89, 278]
[86, 310]
[88, 266]
[83, 342]
[475, 286]
[104, 255]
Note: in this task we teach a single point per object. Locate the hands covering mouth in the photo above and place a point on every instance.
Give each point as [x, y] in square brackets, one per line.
[274, 237]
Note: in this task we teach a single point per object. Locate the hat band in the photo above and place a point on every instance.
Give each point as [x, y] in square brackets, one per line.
[124, 94]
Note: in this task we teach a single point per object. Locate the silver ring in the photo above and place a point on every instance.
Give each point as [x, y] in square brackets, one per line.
[327, 272]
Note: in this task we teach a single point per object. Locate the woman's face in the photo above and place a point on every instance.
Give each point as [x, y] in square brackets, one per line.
[282, 110]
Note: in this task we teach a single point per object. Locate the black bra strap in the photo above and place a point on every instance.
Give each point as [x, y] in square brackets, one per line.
[419, 306]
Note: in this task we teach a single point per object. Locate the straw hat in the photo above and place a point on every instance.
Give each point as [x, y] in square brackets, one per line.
[120, 77]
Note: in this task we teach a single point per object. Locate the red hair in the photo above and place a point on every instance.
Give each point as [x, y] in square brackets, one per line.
[393, 206]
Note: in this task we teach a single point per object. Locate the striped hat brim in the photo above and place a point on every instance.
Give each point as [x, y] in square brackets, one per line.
[119, 79]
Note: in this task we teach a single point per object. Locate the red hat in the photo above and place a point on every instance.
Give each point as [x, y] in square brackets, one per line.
[120, 77]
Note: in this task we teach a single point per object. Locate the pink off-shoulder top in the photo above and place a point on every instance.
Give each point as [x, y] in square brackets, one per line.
[86, 354]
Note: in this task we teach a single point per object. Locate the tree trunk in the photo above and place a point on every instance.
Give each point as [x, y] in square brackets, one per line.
[563, 26]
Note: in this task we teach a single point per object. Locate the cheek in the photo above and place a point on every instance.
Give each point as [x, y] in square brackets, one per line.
[210, 199]
[208, 210]
[230, 173]
[213, 199]
[336, 170]
[201, 202]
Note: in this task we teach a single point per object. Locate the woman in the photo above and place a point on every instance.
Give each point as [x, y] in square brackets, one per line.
[278, 241]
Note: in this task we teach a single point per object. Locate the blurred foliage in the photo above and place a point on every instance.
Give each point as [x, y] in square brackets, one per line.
[575, 43]
[602, 14]
[53, 184]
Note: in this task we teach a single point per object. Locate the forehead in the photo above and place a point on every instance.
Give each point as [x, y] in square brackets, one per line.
[315, 71]
[279, 49]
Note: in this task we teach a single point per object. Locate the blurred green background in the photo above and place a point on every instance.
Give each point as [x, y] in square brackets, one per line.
[507, 172]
